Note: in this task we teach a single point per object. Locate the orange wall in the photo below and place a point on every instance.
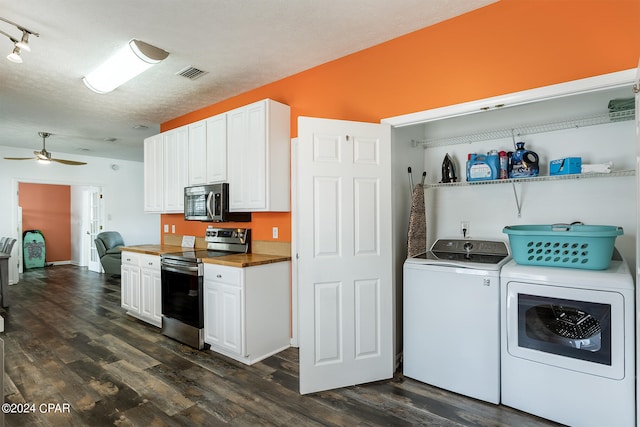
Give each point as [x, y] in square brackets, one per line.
[508, 46]
[48, 208]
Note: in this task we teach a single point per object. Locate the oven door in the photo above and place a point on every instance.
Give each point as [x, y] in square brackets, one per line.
[577, 329]
[182, 297]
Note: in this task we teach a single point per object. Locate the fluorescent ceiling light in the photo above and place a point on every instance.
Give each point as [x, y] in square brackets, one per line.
[128, 62]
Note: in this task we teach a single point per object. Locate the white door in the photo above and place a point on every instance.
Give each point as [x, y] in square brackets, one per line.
[344, 253]
[95, 223]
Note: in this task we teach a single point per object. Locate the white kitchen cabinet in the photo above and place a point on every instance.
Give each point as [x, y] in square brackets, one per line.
[153, 174]
[176, 164]
[208, 150]
[130, 282]
[141, 291]
[197, 153]
[217, 148]
[150, 290]
[246, 310]
[258, 157]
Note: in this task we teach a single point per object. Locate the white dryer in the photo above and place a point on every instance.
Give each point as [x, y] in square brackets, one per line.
[451, 317]
[567, 343]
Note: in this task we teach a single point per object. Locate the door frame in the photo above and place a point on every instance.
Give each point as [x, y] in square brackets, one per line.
[16, 222]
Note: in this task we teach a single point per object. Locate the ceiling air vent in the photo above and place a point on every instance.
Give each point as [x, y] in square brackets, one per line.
[191, 73]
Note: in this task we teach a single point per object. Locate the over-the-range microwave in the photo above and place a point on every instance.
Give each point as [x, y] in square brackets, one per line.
[211, 203]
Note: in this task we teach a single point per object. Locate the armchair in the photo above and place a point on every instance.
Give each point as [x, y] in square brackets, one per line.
[108, 244]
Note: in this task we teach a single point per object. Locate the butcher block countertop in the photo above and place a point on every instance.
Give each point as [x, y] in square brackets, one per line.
[233, 260]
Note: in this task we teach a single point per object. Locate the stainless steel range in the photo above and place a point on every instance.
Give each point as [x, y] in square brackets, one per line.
[182, 283]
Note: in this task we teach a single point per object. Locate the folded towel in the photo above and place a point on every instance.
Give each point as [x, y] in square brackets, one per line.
[598, 168]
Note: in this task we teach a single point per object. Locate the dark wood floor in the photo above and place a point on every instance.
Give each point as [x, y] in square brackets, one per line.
[67, 341]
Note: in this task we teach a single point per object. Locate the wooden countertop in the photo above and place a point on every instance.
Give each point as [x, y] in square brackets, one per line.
[233, 260]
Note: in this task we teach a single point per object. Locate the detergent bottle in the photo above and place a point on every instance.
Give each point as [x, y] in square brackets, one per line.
[524, 163]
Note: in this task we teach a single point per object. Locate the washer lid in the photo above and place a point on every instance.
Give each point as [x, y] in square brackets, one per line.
[465, 253]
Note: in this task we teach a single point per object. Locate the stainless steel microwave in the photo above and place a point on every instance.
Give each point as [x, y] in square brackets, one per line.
[211, 203]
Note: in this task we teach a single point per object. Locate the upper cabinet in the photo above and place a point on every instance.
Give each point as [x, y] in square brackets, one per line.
[208, 150]
[258, 157]
[216, 148]
[153, 174]
[165, 171]
[198, 153]
[247, 147]
[175, 168]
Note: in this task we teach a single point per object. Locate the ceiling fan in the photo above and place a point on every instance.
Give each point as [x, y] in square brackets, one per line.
[45, 156]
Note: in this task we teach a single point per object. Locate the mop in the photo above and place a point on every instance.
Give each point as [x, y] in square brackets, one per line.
[417, 235]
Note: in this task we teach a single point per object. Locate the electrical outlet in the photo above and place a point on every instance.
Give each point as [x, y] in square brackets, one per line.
[464, 228]
[274, 231]
[166, 228]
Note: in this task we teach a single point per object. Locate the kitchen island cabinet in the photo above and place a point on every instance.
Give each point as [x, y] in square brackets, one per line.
[141, 292]
[246, 310]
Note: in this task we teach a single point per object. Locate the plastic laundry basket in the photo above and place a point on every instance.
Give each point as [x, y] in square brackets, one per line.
[561, 245]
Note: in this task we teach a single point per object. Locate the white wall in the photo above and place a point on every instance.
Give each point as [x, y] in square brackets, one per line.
[607, 201]
[122, 190]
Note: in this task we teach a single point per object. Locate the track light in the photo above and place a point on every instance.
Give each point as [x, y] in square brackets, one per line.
[23, 44]
[18, 46]
[15, 55]
[129, 61]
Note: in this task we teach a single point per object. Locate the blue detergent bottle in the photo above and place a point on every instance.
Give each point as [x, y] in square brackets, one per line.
[524, 163]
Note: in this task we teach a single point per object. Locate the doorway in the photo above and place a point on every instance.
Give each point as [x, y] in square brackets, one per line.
[84, 217]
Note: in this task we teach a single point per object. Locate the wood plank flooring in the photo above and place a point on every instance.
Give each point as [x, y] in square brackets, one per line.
[67, 341]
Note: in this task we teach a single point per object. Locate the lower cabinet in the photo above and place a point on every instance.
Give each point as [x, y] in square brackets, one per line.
[246, 310]
[140, 282]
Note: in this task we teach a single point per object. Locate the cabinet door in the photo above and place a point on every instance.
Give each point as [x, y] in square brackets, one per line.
[130, 280]
[198, 153]
[151, 303]
[232, 318]
[217, 148]
[212, 313]
[176, 163]
[153, 173]
[247, 157]
[223, 316]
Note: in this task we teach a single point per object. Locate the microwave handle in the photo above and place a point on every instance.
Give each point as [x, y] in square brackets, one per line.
[209, 204]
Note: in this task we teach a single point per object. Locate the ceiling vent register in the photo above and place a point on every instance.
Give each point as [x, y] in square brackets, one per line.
[191, 73]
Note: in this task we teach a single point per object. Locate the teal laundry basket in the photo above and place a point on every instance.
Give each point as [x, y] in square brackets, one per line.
[34, 249]
[561, 245]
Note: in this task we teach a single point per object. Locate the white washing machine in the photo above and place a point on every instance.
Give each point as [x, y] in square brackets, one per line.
[568, 351]
[451, 317]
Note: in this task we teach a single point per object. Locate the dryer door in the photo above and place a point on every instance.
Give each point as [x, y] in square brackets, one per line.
[577, 329]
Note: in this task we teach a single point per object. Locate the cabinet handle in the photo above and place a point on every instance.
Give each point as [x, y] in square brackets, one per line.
[151, 263]
[128, 259]
[219, 276]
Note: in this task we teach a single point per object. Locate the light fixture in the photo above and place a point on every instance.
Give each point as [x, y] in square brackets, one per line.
[18, 46]
[15, 55]
[24, 42]
[129, 61]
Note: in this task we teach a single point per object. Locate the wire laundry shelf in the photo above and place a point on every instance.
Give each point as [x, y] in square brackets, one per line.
[518, 131]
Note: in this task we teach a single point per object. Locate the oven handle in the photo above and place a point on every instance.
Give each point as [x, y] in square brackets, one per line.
[177, 267]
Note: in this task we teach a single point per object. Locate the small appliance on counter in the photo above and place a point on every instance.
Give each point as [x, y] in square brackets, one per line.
[211, 203]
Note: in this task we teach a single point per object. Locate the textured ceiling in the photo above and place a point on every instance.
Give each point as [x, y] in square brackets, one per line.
[242, 44]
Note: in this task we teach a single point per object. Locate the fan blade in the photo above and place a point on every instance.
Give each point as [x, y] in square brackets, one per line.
[21, 158]
[68, 162]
